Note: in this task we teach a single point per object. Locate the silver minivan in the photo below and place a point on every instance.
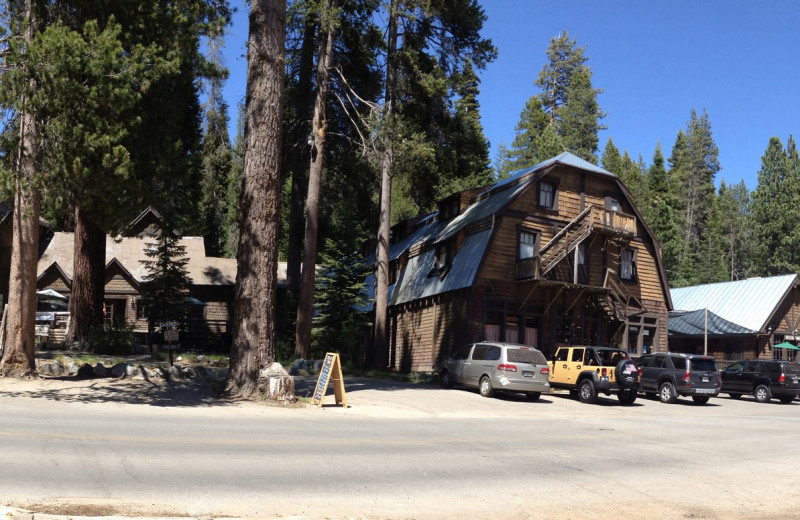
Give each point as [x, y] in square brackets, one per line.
[501, 367]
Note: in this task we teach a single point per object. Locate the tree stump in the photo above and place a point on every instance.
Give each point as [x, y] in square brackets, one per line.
[276, 384]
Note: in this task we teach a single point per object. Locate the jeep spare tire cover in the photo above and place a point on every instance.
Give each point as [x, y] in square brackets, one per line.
[626, 373]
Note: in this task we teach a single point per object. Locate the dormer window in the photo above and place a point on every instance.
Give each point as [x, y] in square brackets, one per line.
[394, 267]
[444, 254]
[547, 195]
[449, 209]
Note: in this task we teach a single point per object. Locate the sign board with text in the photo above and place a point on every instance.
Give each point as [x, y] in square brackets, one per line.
[331, 371]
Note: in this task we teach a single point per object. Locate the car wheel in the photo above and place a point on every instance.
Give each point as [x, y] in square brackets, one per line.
[586, 392]
[627, 396]
[534, 396]
[786, 399]
[445, 379]
[700, 399]
[761, 393]
[667, 393]
[735, 395]
[486, 387]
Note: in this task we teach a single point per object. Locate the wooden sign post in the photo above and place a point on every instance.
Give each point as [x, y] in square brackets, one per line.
[331, 369]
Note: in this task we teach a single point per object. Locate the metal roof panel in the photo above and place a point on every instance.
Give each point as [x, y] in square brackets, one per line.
[748, 303]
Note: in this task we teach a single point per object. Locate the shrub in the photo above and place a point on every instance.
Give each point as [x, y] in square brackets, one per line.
[110, 338]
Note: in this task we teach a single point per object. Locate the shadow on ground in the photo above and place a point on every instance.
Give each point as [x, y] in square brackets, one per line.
[129, 391]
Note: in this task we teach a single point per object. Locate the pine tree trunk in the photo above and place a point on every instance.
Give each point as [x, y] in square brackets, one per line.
[296, 156]
[305, 307]
[19, 334]
[381, 351]
[88, 277]
[253, 347]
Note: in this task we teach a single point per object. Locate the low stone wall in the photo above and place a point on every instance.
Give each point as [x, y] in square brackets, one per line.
[147, 371]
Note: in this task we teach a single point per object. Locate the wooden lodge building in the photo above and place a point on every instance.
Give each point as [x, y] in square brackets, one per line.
[556, 253]
[210, 297]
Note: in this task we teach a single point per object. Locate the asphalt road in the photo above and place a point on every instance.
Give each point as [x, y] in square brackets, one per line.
[398, 451]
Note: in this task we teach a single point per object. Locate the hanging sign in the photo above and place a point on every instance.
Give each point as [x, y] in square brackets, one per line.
[331, 370]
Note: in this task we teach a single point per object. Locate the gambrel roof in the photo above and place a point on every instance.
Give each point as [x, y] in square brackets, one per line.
[417, 280]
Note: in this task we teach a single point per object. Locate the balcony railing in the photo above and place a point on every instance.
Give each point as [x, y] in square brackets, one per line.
[603, 219]
[594, 219]
[526, 268]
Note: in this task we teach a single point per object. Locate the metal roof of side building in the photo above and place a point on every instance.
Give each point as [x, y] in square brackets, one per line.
[749, 303]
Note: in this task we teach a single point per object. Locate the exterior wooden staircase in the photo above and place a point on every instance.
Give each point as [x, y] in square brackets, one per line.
[565, 242]
[594, 219]
[616, 302]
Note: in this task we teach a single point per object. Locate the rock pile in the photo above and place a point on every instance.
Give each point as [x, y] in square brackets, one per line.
[126, 370]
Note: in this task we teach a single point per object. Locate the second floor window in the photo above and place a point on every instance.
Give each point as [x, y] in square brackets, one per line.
[527, 245]
[627, 265]
[547, 195]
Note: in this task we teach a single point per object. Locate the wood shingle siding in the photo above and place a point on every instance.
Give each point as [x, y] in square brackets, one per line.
[519, 299]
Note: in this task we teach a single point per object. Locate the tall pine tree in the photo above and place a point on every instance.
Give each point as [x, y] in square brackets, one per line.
[567, 102]
[693, 166]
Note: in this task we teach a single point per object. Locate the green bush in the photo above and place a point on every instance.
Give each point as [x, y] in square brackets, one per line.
[110, 338]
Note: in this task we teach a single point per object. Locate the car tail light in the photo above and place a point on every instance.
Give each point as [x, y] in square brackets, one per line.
[640, 372]
[687, 378]
[604, 372]
[782, 379]
[545, 370]
[507, 368]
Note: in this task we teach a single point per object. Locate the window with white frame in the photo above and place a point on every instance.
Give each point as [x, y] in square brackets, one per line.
[547, 195]
[627, 264]
[527, 245]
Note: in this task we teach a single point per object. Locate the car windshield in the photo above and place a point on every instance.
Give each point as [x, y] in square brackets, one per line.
[521, 355]
[704, 365]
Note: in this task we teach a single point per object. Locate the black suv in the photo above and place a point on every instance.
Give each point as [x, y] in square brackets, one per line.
[670, 375]
[764, 378]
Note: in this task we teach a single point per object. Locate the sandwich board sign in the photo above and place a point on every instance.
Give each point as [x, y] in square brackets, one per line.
[331, 370]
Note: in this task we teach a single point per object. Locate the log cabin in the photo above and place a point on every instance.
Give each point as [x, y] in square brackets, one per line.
[555, 254]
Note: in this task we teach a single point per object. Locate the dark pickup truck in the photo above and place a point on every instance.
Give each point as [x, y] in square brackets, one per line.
[764, 378]
[670, 375]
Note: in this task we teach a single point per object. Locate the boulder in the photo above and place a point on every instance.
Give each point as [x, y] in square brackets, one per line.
[101, 371]
[51, 368]
[72, 368]
[297, 367]
[86, 371]
[124, 370]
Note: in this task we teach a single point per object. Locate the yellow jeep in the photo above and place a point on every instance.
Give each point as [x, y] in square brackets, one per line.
[587, 370]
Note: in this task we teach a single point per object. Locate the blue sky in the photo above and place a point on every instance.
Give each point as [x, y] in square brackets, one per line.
[655, 60]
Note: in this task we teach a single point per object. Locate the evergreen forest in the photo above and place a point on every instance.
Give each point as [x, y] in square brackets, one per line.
[120, 106]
